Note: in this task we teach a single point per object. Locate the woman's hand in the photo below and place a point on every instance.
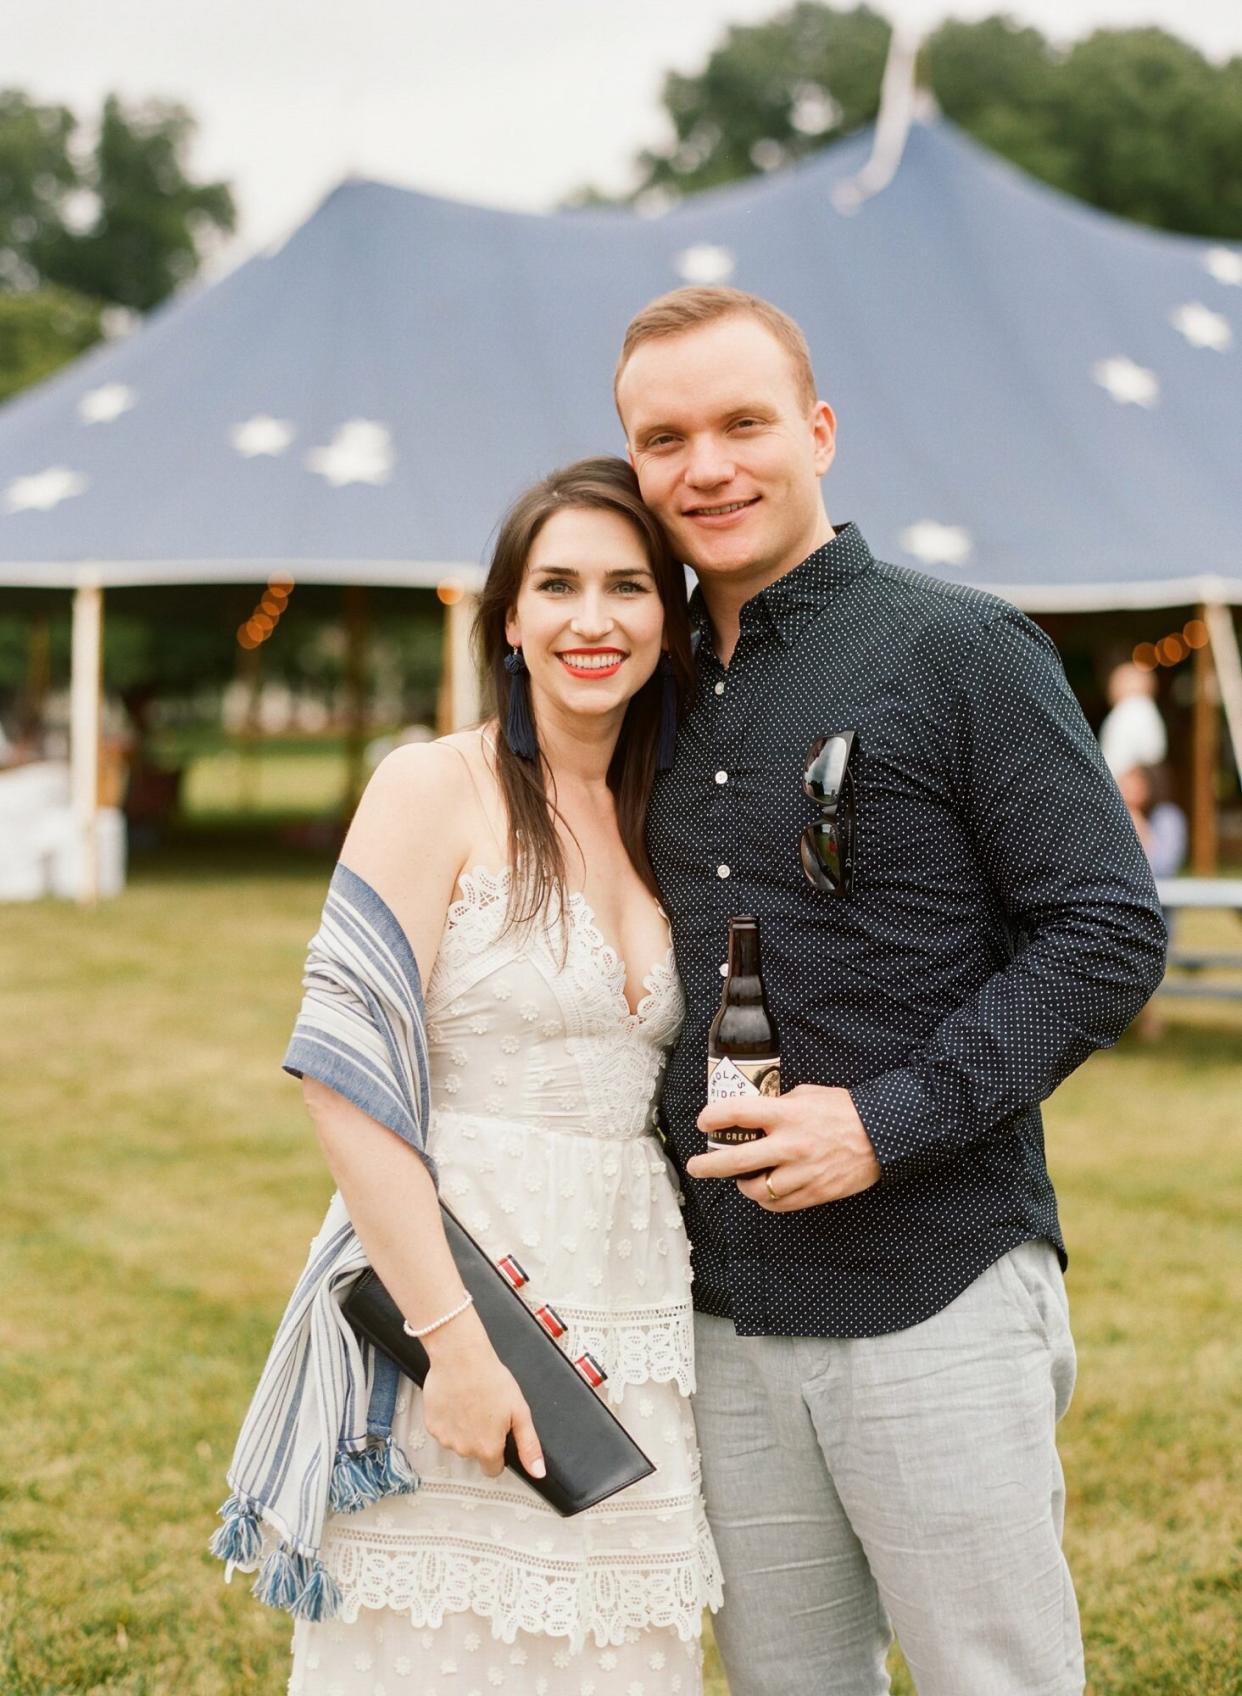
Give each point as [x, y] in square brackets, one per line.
[471, 1400]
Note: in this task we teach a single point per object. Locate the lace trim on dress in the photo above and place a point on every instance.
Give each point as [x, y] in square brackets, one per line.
[507, 1492]
[483, 895]
[612, 965]
[649, 1346]
[481, 890]
[606, 1599]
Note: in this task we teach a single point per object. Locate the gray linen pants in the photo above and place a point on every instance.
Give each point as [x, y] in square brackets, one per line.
[910, 1478]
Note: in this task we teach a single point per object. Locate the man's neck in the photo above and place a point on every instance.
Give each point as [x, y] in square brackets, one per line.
[726, 593]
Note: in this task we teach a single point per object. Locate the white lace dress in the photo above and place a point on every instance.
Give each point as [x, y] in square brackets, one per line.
[543, 1093]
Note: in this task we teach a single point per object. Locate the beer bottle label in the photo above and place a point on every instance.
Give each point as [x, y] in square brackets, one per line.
[727, 1079]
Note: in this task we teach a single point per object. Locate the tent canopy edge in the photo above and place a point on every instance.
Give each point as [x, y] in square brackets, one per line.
[163, 573]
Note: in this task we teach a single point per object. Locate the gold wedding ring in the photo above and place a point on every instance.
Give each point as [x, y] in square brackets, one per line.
[767, 1184]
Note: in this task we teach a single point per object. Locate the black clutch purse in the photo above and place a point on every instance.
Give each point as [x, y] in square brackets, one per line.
[588, 1452]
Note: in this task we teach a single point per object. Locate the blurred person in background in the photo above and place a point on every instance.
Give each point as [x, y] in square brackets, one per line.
[1162, 830]
[1133, 732]
[1161, 824]
[504, 869]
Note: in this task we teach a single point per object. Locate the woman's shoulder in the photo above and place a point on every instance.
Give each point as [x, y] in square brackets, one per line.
[423, 807]
[415, 828]
[421, 774]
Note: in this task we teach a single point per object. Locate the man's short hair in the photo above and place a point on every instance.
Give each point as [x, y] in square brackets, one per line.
[686, 309]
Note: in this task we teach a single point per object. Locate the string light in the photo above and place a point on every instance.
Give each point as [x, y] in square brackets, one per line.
[265, 617]
[1172, 649]
[449, 592]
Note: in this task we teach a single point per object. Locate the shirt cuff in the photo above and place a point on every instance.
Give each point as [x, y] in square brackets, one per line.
[893, 1109]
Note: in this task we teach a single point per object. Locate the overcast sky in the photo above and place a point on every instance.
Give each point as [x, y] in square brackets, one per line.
[513, 105]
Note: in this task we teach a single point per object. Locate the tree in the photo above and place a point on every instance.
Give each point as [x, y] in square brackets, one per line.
[40, 331]
[1154, 131]
[118, 222]
[1135, 121]
[995, 79]
[37, 176]
[770, 93]
[151, 223]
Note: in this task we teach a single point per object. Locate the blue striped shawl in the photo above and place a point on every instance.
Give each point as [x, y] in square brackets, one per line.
[318, 1433]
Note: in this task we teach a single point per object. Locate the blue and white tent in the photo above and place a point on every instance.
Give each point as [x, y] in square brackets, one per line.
[1032, 396]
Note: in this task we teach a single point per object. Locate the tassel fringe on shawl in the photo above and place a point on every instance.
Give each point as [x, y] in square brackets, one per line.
[318, 1434]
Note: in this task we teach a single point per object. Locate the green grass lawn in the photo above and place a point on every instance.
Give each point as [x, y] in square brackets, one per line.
[286, 779]
[160, 1188]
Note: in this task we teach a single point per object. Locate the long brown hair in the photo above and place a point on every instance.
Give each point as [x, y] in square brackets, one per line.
[604, 484]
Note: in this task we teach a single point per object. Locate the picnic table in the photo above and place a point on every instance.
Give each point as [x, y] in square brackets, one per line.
[1196, 972]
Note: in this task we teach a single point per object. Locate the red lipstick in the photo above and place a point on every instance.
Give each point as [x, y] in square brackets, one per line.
[592, 662]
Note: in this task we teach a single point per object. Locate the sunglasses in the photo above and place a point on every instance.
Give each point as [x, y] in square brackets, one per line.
[827, 845]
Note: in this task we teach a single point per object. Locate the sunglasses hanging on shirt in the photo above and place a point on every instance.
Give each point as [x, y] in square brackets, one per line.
[827, 844]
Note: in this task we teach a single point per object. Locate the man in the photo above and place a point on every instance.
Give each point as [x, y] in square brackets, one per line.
[882, 1336]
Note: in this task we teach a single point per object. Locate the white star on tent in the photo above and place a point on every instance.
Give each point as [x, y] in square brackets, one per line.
[101, 406]
[1225, 264]
[44, 489]
[1126, 381]
[261, 434]
[1201, 326]
[360, 452]
[704, 264]
[937, 544]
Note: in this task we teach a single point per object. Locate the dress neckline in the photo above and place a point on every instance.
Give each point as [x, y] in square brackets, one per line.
[610, 958]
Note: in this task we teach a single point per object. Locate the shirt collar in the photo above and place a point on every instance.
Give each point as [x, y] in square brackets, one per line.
[787, 606]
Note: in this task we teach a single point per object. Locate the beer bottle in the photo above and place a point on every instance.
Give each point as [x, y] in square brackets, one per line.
[743, 1051]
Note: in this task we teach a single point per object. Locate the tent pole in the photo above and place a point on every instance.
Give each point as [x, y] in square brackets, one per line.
[466, 704]
[85, 713]
[1223, 638]
[356, 610]
[460, 700]
[1204, 758]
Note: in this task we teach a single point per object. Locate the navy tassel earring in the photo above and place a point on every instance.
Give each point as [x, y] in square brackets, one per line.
[666, 745]
[519, 723]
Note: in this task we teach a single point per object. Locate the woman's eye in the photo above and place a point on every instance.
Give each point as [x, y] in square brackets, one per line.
[552, 585]
[632, 588]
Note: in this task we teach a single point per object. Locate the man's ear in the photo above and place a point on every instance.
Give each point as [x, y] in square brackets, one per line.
[824, 435]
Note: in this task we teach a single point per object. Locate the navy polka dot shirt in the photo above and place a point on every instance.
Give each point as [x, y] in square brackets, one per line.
[1003, 924]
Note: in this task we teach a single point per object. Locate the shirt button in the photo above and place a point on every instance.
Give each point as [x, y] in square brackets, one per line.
[720, 688]
[722, 871]
[722, 777]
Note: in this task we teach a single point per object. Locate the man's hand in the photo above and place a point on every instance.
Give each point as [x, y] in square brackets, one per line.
[815, 1148]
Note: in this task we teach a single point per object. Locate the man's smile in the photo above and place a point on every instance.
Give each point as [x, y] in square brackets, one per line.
[720, 514]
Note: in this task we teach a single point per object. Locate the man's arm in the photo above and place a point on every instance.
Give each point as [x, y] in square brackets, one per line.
[1058, 847]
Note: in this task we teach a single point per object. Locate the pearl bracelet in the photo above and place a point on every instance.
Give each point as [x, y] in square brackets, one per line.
[435, 1325]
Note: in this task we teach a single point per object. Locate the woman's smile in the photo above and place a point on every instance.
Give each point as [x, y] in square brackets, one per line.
[592, 662]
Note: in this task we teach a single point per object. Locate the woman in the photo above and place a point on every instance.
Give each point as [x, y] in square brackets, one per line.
[511, 863]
